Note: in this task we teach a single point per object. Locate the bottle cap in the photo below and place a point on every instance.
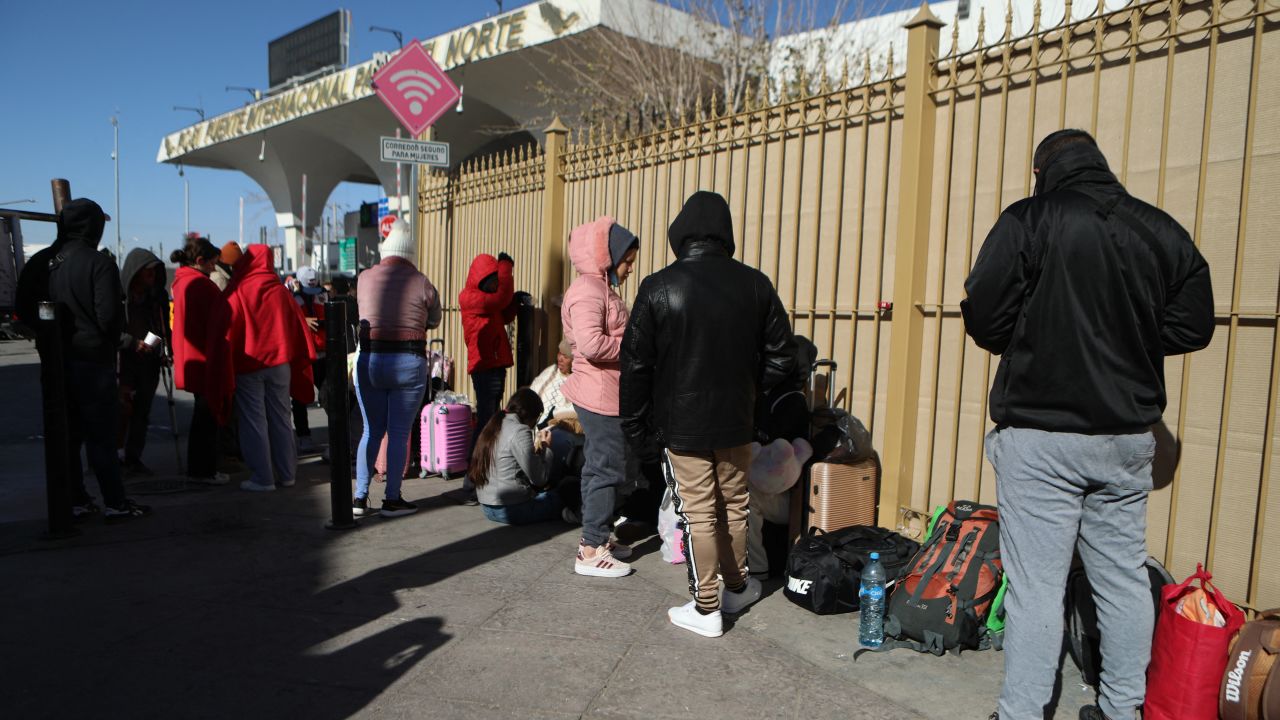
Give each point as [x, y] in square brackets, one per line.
[875, 556]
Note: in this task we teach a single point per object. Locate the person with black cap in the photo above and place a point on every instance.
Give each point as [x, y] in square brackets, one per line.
[1083, 290]
[87, 283]
[594, 317]
[707, 336]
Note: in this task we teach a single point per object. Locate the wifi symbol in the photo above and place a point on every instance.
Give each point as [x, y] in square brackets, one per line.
[415, 85]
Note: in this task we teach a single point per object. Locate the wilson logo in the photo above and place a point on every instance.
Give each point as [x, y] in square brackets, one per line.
[1236, 676]
[798, 586]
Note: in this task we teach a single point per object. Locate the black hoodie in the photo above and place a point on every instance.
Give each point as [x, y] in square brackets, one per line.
[706, 335]
[86, 281]
[1081, 306]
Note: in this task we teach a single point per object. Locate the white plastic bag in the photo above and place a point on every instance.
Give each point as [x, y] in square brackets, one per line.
[670, 531]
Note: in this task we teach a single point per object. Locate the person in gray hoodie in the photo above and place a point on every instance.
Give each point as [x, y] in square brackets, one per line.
[146, 313]
[510, 465]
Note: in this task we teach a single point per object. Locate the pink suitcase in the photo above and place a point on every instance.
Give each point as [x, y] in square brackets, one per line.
[446, 438]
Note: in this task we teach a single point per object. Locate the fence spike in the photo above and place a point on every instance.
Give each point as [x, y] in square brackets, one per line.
[1008, 21]
[1035, 17]
[844, 73]
[697, 108]
[982, 24]
[1066, 14]
[866, 66]
[1102, 8]
[889, 63]
[762, 97]
[824, 82]
[715, 103]
[955, 36]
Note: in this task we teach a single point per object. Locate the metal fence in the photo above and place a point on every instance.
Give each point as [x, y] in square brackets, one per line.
[884, 190]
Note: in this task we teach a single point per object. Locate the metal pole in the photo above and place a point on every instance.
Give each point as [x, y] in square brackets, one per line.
[57, 428]
[115, 155]
[241, 221]
[61, 193]
[186, 206]
[335, 313]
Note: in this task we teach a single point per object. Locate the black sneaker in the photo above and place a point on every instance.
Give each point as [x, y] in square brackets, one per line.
[83, 510]
[396, 507]
[1092, 712]
[126, 511]
[360, 506]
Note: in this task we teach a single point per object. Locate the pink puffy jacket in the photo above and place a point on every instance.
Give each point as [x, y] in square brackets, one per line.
[594, 318]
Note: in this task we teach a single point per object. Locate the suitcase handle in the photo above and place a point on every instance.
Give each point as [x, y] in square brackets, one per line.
[436, 341]
[830, 366]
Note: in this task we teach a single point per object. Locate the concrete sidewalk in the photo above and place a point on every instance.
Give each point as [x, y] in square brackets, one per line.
[228, 604]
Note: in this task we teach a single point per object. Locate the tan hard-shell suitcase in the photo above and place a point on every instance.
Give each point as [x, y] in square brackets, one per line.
[833, 495]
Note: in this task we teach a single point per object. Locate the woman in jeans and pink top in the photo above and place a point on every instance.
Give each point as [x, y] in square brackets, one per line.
[594, 318]
[397, 305]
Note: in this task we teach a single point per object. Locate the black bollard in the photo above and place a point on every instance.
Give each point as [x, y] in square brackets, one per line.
[335, 385]
[57, 429]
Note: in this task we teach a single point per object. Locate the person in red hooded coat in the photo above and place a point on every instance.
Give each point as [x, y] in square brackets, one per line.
[272, 353]
[201, 355]
[487, 306]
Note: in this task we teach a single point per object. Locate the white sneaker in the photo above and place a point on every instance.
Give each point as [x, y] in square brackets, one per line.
[602, 564]
[255, 487]
[687, 616]
[287, 483]
[218, 478]
[732, 603]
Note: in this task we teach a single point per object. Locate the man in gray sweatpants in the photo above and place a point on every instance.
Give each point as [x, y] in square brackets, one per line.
[1083, 291]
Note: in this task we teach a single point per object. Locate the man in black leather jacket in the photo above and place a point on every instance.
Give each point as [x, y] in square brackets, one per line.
[1083, 290]
[707, 334]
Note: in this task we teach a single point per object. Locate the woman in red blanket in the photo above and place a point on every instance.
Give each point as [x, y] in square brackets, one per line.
[271, 352]
[201, 355]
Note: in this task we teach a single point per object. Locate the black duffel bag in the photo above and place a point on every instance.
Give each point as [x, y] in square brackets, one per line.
[824, 569]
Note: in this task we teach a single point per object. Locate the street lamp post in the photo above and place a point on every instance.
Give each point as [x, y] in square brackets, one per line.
[398, 35]
[115, 156]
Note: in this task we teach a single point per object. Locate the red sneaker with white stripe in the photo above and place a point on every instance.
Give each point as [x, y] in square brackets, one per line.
[599, 562]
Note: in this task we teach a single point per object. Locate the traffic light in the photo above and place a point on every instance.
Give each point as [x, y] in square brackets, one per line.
[368, 215]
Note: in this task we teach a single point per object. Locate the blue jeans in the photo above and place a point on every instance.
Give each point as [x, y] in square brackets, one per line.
[389, 387]
[542, 507]
[266, 433]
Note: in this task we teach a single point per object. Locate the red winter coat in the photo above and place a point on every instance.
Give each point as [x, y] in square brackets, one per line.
[485, 315]
[267, 326]
[201, 355]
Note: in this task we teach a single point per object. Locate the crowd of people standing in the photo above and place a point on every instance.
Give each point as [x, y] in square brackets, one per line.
[1082, 289]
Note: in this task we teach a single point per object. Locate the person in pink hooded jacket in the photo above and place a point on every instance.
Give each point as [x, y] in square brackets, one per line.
[594, 318]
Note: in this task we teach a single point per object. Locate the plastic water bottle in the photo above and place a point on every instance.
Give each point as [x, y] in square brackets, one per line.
[871, 602]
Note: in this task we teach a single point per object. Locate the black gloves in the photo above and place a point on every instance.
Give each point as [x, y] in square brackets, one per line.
[503, 256]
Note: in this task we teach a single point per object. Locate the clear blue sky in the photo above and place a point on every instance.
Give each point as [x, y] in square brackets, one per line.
[69, 66]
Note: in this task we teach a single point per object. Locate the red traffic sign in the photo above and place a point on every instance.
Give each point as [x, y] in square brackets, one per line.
[415, 89]
[384, 225]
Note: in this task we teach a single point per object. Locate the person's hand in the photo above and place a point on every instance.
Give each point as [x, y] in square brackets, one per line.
[504, 256]
[141, 347]
[313, 323]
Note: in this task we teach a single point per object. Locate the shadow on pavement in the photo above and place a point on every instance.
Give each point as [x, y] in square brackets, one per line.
[236, 607]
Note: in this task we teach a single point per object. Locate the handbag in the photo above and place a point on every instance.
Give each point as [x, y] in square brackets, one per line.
[1188, 658]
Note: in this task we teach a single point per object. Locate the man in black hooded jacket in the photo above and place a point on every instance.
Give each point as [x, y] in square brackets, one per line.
[706, 336]
[1083, 291]
[87, 283]
[146, 311]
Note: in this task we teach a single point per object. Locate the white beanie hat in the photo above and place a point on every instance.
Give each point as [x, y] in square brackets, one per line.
[399, 243]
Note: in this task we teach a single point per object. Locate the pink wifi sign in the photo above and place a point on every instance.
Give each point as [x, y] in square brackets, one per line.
[414, 87]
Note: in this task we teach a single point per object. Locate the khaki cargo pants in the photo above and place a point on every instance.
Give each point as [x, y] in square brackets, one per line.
[710, 492]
